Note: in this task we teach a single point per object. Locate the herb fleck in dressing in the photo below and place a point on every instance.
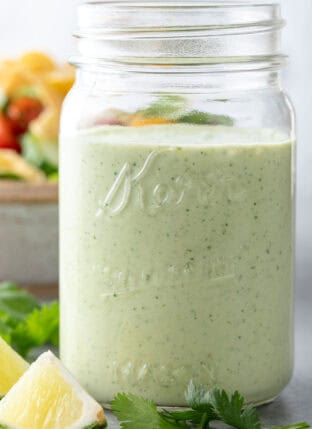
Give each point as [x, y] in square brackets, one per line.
[177, 260]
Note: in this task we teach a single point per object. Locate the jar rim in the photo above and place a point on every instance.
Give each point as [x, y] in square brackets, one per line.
[150, 31]
[180, 4]
[120, 15]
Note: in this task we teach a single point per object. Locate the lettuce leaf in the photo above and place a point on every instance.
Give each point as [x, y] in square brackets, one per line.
[42, 154]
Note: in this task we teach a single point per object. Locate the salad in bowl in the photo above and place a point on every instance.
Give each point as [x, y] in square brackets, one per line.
[32, 89]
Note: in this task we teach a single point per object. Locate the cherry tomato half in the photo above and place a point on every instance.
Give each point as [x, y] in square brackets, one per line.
[22, 111]
[7, 138]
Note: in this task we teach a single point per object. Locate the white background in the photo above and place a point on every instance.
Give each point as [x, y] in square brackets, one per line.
[48, 24]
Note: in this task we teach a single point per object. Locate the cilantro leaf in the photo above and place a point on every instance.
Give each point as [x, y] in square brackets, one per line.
[233, 412]
[217, 405]
[5, 330]
[134, 412]
[198, 397]
[191, 416]
[207, 406]
[39, 328]
[24, 322]
[15, 303]
[302, 425]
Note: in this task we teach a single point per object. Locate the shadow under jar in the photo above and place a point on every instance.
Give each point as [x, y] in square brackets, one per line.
[177, 195]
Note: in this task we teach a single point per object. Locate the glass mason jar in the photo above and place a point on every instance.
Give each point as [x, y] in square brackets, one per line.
[177, 198]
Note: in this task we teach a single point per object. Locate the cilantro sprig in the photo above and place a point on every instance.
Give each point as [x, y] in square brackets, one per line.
[205, 407]
[24, 322]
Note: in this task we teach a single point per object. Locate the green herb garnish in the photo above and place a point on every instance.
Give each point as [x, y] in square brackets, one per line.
[24, 322]
[206, 407]
[134, 412]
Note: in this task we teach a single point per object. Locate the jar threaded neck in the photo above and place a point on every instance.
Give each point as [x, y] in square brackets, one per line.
[176, 32]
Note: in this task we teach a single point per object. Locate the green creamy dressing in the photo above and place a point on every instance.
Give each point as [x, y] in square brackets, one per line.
[176, 260]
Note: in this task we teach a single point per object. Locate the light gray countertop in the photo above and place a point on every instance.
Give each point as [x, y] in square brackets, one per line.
[295, 403]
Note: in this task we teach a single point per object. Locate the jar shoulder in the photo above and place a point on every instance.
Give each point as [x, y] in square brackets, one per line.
[87, 106]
